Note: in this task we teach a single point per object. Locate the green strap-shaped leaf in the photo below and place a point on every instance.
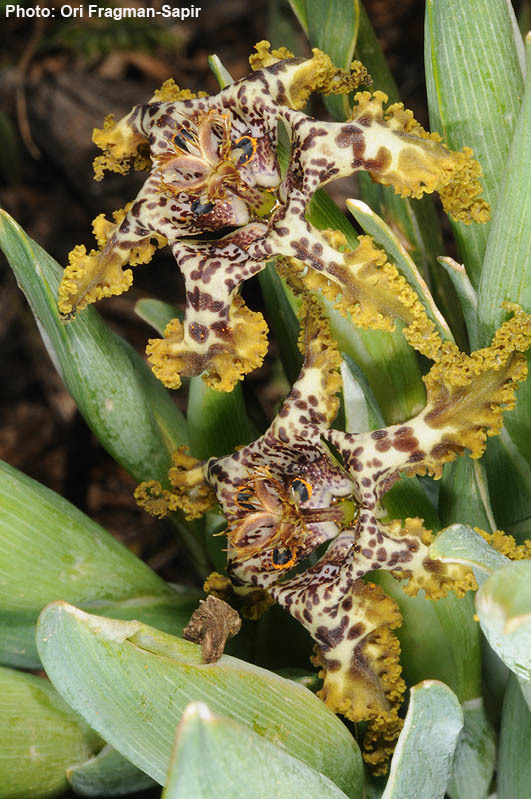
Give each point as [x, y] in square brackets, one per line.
[283, 321]
[217, 756]
[507, 269]
[126, 407]
[333, 27]
[464, 494]
[461, 544]
[40, 737]
[475, 754]
[107, 774]
[152, 676]
[50, 550]
[474, 85]
[422, 762]
[503, 605]
[514, 761]
[299, 9]
[157, 313]
[439, 640]
[217, 421]
[509, 476]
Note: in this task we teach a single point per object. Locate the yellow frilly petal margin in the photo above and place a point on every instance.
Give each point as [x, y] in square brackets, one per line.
[225, 357]
[304, 76]
[100, 273]
[122, 147]
[188, 492]
[468, 394]
[416, 162]
[365, 684]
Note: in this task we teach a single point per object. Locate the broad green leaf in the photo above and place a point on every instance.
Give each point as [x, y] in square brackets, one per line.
[475, 754]
[464, 494]
[50, 550]
[509, 476]
[459, 543]
[216, 756]
[507, 269]
[40, 737]
[107, 774]
[422, 762]
[333, 27]
[217, 421]
[439, 640]
[495, 675]
[152, 676]
[157, 313]
[382, 234]
[514, 762]
[503, 605]
[126, 407]
[474, 85]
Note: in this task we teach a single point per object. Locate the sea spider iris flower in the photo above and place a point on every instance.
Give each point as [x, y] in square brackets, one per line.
[303, 483]
[213, 169]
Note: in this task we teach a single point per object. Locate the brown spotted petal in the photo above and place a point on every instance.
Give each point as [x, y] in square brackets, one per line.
[392, 147]
[466, 398]
[351, 622]
[220, 336]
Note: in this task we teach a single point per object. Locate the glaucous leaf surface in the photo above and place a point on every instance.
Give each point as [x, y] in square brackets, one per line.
[153, 676]
[422, 762]
[40, 737]
[215, 756]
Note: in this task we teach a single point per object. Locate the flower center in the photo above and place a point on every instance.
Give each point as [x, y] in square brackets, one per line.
[203, 162]
[274, 516]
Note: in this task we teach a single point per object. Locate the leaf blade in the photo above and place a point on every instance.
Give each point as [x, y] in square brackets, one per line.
[237, 762]
[113, 388]
[153, 676]
[422, 762]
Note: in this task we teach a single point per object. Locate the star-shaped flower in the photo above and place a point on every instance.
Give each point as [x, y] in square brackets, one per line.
[213, 165]
[287, 493]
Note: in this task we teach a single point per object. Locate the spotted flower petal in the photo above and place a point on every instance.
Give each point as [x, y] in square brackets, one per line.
[212, 164]
[220, 336]
[287, 493]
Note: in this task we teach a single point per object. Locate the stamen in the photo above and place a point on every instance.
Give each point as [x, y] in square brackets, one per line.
[283, 557]
[247, 145]
[301, 489]
[199, 208]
